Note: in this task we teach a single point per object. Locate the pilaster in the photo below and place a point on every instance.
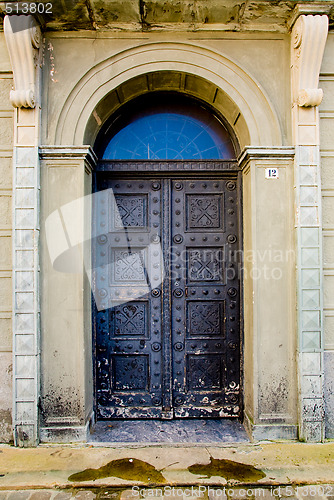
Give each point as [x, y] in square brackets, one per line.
[270, 387]
[23, 40]
[308, 39]
[66, 358]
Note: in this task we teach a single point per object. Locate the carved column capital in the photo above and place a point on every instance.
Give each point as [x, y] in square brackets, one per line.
[23, 38]
[309, 35]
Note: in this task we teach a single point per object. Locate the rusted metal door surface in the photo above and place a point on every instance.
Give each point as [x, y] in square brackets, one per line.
[167, 284]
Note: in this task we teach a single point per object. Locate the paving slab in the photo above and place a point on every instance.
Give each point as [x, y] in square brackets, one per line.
[234, 465]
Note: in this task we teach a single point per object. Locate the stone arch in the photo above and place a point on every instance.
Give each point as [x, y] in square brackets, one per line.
[182, 67]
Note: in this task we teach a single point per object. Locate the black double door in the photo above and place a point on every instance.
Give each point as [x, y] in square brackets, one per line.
[167, 292]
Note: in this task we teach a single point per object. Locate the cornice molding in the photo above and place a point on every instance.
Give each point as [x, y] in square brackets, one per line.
[67, 153]
[314, 8]
[278, 153]
[23, 39]
[308, 41]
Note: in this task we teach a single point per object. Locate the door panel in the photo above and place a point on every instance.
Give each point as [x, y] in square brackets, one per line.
[169, 349]
[129, 342]
[204, 234]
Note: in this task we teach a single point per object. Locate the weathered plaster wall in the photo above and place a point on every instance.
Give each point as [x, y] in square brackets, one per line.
[327, 172]
[69, 56]
[6, 145]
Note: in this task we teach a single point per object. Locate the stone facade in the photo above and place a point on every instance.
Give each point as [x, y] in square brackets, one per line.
[256, 73]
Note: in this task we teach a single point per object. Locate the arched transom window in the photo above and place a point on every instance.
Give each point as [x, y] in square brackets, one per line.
[168, 128]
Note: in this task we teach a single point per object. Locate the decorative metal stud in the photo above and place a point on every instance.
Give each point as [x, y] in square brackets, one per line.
[233, 398]
[102, 239]
[230, 185]
[103, 293]
[178, 238]
[231, 238]
[155, 238]
[156, 346]
[178, 292]
[178, 185]
[156, 292]
[178, 346]
[232, 292]
[156, 186]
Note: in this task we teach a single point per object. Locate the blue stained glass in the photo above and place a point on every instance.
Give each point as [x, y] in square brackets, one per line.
[171, 136]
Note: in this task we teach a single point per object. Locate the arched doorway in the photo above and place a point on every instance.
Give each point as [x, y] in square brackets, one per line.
[166, 260]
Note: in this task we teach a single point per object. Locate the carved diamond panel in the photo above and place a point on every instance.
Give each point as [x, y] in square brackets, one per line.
[130, 372]
[204, 372]
[129, 319]
[311, 340]
[311, 362]
[205, 318]
[309, 216]
[129, 265]
[311, 320]
[310, 257]
[131, 211]
[24, 177]
[205, 264]
[204, 211]
[308, 175]
[309, 236]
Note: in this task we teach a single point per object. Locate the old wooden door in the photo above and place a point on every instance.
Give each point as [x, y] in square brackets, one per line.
[167, 278]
